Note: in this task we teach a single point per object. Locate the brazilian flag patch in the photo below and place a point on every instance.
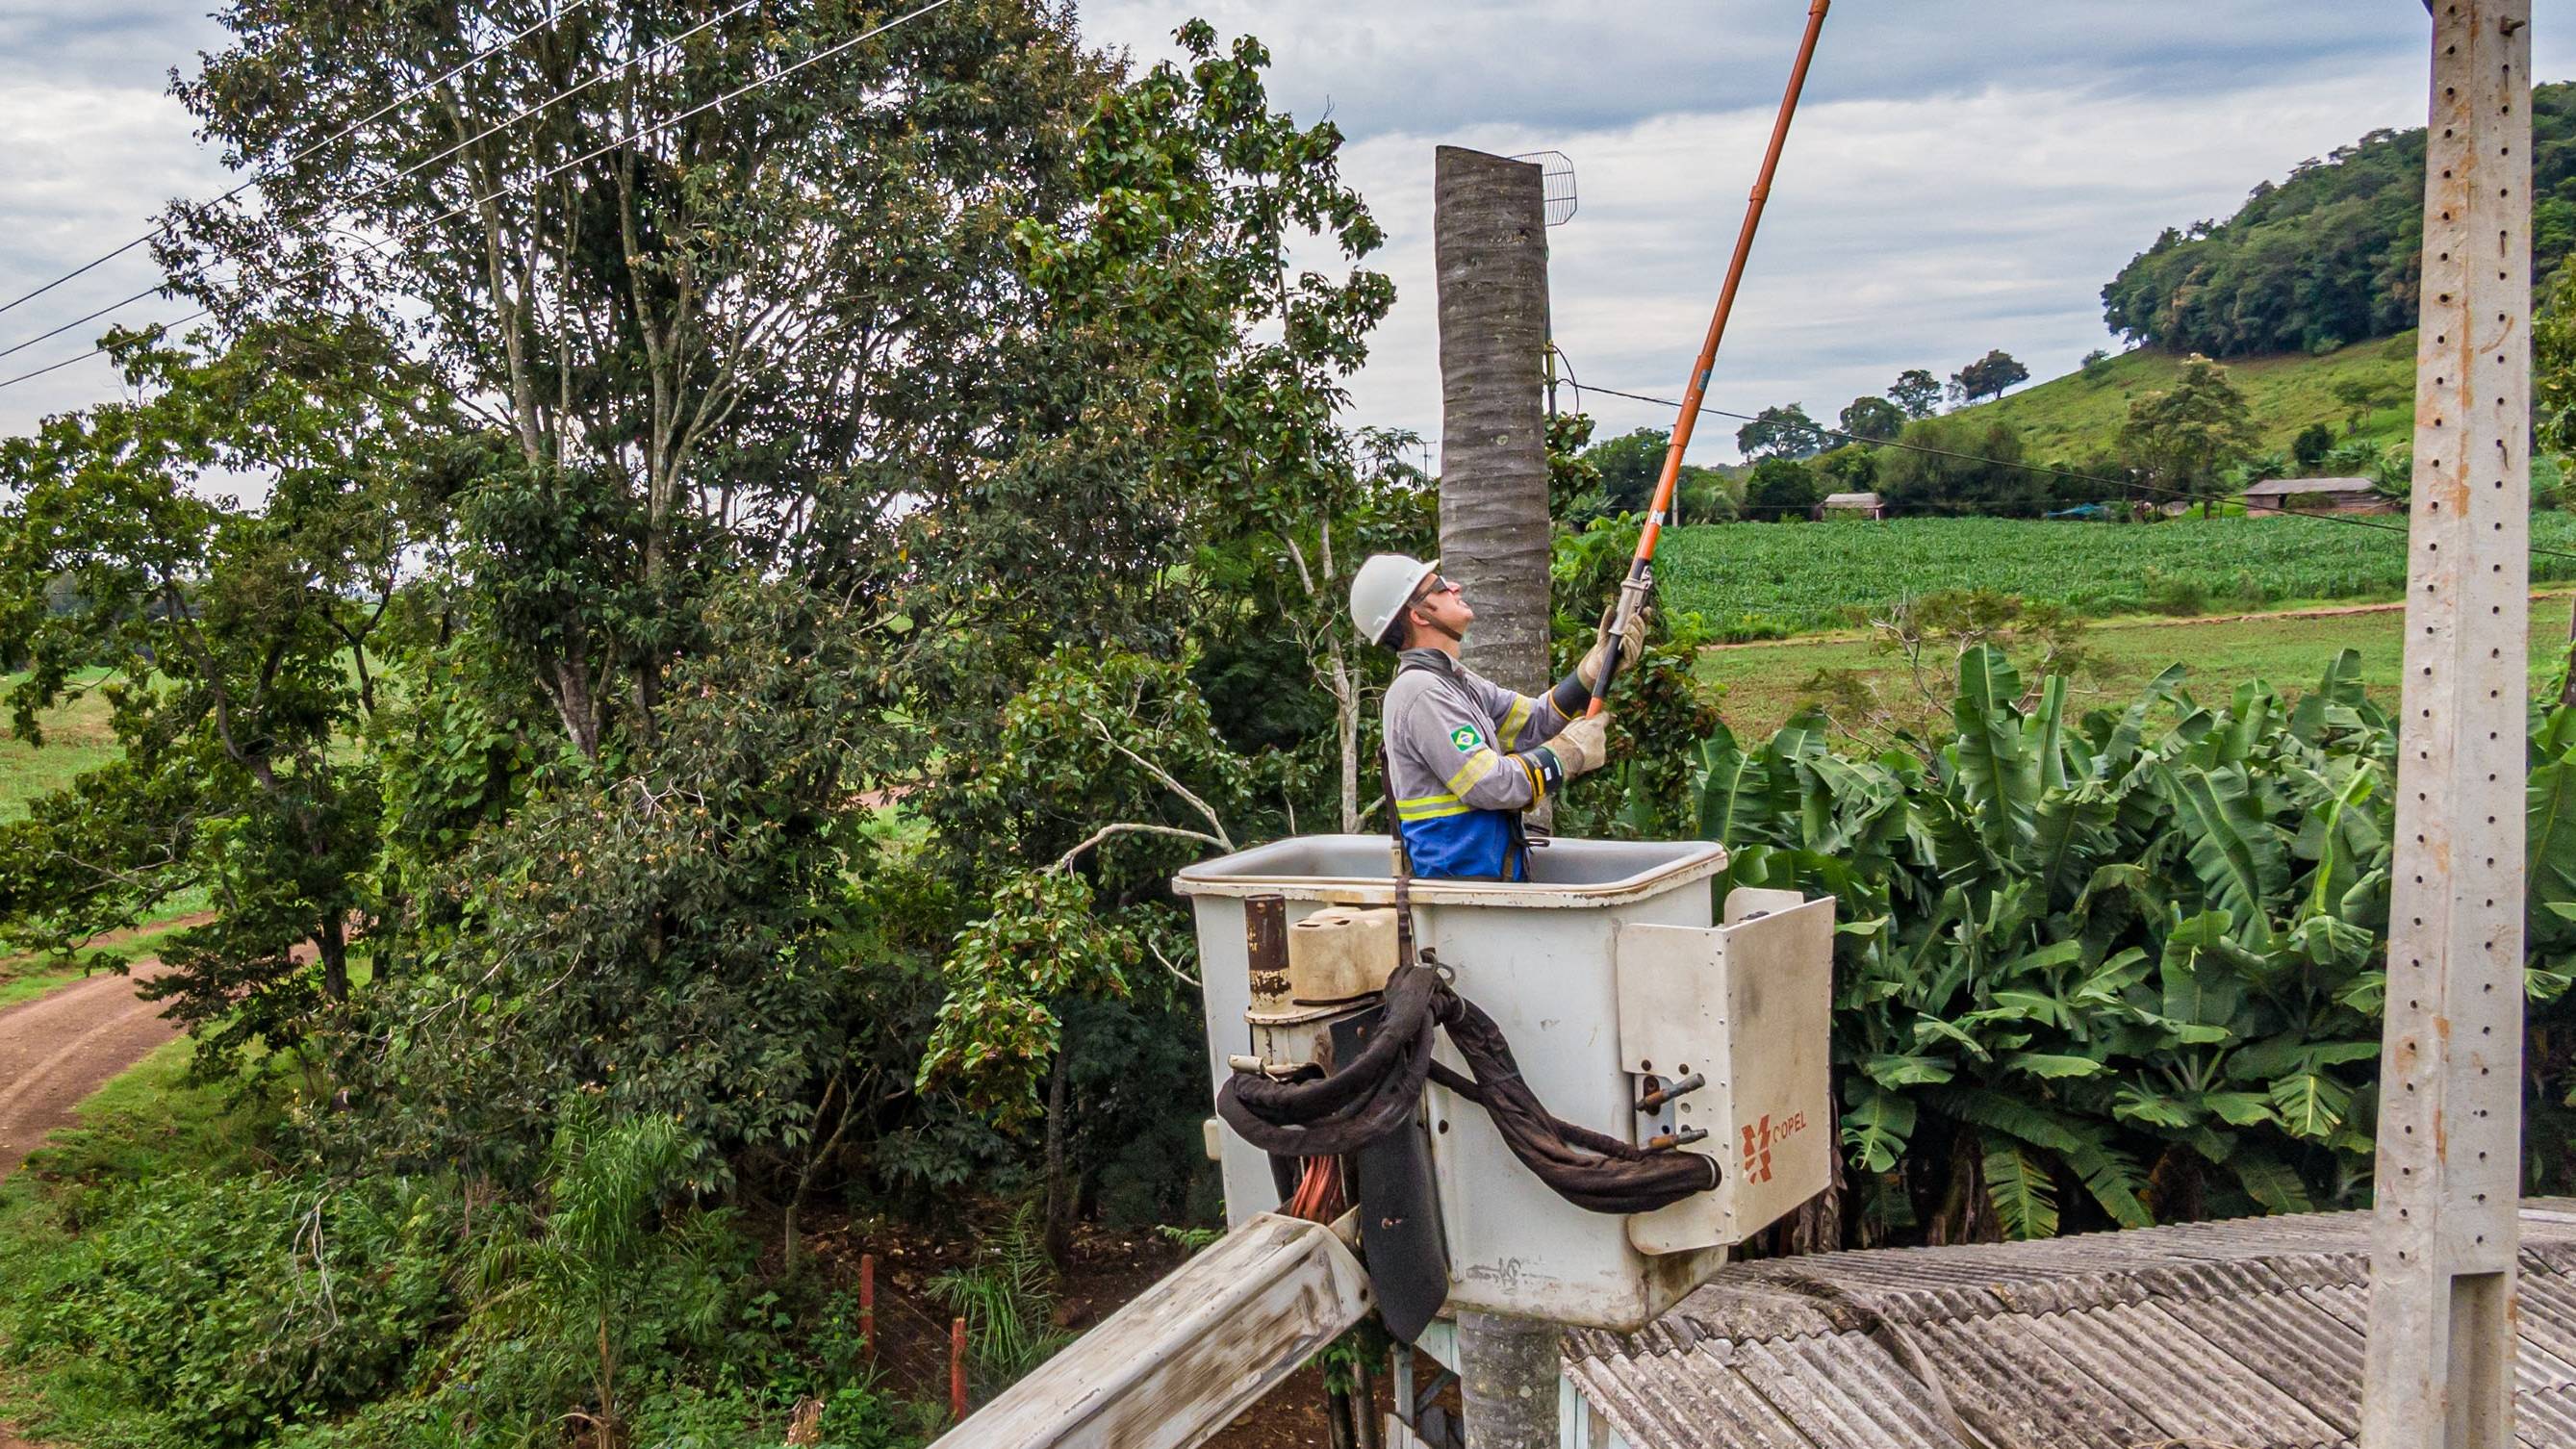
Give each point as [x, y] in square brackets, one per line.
[1466, 739]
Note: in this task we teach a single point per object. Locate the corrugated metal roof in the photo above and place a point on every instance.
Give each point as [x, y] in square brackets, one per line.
[2284, 487]
[2246, 1333]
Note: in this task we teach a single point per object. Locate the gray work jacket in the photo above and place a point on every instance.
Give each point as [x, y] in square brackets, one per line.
[1465, 756]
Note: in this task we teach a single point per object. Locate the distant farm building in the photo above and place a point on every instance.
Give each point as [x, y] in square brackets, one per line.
[1852, 505]
[2317, 495]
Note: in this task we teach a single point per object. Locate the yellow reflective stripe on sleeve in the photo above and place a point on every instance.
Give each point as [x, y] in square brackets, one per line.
[1478, 766]
[1512, 722]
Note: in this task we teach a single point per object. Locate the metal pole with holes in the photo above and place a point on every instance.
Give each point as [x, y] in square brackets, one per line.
[2438, 1373]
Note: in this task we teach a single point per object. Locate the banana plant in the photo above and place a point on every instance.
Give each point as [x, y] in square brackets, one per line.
[2119, 968]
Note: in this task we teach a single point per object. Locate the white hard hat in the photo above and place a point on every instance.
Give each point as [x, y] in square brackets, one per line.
[1381, 589]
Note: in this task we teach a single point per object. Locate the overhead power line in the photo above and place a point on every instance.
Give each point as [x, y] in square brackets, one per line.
[2118, 484]
[593, 154]
[265, 172]
[562, 95]
[416, 167]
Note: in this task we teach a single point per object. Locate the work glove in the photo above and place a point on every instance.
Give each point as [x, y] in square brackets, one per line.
[1632, 644]
[1583, 746]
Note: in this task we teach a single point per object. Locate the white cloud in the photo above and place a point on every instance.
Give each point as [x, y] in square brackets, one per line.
[1900, 233]
[85, 166]
[1966, 173]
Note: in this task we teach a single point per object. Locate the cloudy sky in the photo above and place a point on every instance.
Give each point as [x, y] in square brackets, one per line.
[1964, 174]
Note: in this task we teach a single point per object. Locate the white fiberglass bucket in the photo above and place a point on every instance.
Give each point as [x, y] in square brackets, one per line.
[1541, 958]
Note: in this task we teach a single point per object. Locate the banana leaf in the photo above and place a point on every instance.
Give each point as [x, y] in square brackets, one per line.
[2024, 1196]
[1999, 775]
[2236, 853]
[1734, 806]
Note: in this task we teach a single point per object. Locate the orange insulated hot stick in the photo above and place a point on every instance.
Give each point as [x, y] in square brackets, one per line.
[1640, 580]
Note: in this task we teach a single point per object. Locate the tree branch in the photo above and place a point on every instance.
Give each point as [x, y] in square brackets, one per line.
[1176, 787]
[1066, 860]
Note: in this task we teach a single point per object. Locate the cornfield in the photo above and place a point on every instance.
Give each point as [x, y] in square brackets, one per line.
[1769, 580]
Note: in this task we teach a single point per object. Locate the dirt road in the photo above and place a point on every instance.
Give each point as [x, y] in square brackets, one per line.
[59, 1048]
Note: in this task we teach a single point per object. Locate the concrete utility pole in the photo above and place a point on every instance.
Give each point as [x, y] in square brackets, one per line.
[2439, 1369]
[1489, 240]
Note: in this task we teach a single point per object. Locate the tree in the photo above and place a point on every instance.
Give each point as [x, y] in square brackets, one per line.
[1782, 488]
[1987, 377]
[1489, 231]
[2331, 255]
[640, 309]
[1959, 465]
[1850, 468]
[241, 651]
[1630, 465]
[2095, 364]
[2362, 396]
[1781, 432]
[1872, 419]
[2310, 447]
[2183, 437]
[1917, 393]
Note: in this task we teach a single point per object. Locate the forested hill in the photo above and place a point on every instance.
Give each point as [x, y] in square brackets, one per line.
[2330, 256]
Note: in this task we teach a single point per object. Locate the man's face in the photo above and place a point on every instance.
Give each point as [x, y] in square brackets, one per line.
[1439, 604]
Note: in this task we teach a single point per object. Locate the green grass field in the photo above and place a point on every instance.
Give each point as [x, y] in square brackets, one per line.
[1769, 580]
[1765, 683]
[2079, 414]
[77, 738]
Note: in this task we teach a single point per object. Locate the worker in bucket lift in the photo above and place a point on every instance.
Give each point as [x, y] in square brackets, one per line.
[1465, 755]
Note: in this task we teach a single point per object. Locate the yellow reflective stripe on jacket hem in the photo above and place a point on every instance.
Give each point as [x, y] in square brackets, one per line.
[1512, 722]
[1431, 807]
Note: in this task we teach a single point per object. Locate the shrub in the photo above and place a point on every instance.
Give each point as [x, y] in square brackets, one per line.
[225, 1309]
[2312, 444]
[2182, 595]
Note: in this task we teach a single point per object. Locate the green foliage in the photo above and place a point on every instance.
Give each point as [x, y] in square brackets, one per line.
[1624, 470]
[2309, 448]
[1007, 1297]
[2367, 389]
[2133, 961]
[2328, 257]
[2553, 368]
[238, 646]
[1850, 468]
[1871, 420]
[1988, 376]
[188, 1307]
[680, 935]
[2118, 969]
[1781, 488]
[1659, 706]
[1916, 393]
[1781, 432]
[1797, 580]
[1958, 464]
[1927, 635]
[2183, 437]
[605, 1277]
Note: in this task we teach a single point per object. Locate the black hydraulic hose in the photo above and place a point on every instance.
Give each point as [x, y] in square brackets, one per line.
[1377, 1092]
